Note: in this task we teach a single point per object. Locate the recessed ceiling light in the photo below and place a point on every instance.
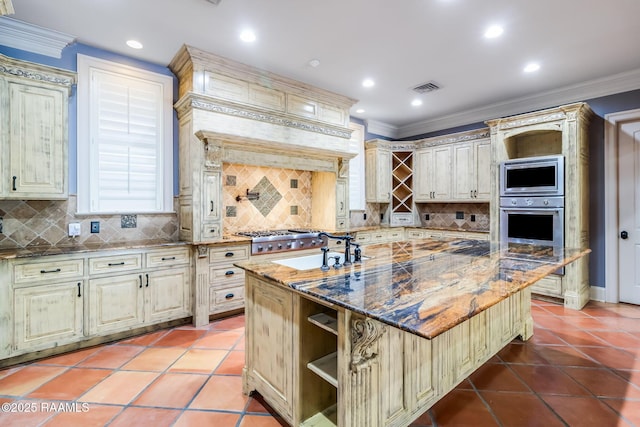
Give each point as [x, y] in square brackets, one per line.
[368, 83]
[493, 32]
[360, 110]
[531, 67]
[134, 44]
[248, 36]
[416, 102]
[314, 63]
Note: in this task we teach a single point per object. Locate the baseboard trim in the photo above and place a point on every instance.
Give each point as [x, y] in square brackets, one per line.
[597, 293]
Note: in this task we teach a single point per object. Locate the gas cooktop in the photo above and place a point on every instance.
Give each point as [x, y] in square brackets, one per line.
[271, 241]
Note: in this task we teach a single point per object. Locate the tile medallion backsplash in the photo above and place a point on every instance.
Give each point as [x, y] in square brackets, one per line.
[46, 222]
[276, 204]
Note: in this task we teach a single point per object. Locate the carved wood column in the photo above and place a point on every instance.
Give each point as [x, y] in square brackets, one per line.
[365, 377]
[201, 286]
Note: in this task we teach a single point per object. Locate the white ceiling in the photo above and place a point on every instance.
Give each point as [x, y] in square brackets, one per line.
[585, 48]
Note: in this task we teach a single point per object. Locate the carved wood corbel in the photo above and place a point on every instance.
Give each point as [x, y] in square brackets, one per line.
[364, 335]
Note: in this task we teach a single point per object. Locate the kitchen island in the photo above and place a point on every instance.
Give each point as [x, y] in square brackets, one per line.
[379, 342]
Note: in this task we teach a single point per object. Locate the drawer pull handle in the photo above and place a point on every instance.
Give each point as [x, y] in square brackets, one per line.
[229, 273]
[140, 276]
[112, 264]
[211, 206]
[229, 254]
[147, 276]
[169, 258]
[229, 296]
[79, 294]
[57, 270]
[13, 185]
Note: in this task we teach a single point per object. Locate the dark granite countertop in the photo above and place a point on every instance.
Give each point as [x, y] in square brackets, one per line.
[424, 286]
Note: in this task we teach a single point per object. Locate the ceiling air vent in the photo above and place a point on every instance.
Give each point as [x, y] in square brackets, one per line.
[427, 87]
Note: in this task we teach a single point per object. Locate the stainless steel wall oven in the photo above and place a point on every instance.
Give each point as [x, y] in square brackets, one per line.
[532, 202]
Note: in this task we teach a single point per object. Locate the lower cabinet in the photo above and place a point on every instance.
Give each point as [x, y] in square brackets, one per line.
[115, 303]
[51, 301]
[48, 315]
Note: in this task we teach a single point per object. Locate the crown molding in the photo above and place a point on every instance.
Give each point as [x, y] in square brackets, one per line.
[596, 88]
[382, 129]
[31, 38]
[6, 7]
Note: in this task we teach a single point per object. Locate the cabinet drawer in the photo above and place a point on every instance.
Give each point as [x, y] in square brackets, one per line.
[48, 271]
[379, 237]
[221, 277]
[415, 234]
[551, 285]
[226, 299]
[395, 236]
[168, 257]
[401, 219]
[114, 264]
[363, 238]
[229, 254]
[477, 236]
[210, 231]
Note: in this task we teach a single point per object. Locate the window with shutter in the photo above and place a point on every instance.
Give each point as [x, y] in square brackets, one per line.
[125, 160]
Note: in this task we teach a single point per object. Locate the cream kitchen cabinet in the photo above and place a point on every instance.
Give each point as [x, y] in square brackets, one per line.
[226, 282]
[377, 174]
[270, 334]
[155, 289]
[34, 136]
[433, 174]
[48, 303]
[381, 235]
[472, 171]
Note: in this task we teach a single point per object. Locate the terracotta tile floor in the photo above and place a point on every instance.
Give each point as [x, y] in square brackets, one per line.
[581, 368]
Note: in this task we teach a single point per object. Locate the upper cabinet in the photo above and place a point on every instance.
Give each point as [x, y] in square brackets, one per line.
[34, 136]
[472, 171]
[433, 174]
[377, 173]
[454, 168]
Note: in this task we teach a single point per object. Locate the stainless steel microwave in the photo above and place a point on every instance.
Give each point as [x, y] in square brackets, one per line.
[532, 176]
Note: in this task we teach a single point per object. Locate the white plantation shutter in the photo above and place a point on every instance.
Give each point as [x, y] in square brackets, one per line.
[127, 150]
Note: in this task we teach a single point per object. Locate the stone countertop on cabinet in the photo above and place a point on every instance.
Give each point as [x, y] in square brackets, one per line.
[420, 227]
[425, 286]
[45, 250]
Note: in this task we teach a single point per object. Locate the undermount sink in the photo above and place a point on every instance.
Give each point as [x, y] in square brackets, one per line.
[310, 262]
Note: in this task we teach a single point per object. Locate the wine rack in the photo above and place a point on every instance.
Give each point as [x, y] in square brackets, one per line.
[402, 188]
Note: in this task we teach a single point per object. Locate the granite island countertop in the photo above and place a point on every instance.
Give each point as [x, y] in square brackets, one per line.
[425, 287]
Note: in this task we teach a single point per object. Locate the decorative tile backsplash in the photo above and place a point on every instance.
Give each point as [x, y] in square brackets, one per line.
[443, 215]
[275, 206]
[46, 222]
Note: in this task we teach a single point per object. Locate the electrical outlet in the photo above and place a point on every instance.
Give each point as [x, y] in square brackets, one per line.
[74, 229]
[473, 218]
[1, 231]
[95, 226]
[426, 217]
[364, 216]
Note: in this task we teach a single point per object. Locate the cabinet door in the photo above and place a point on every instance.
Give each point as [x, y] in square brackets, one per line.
[37, 134]
[463, 171]
[211, 196]
[116, 303]
[422, 183]
[482, 168]
[378, 175]
[270, 344]
[168, 295]
[48, 315]
[441, 165]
